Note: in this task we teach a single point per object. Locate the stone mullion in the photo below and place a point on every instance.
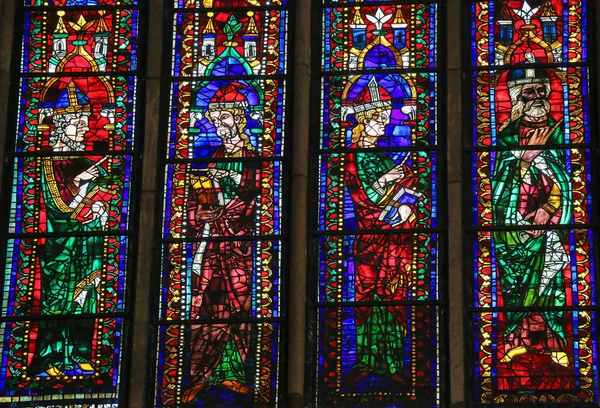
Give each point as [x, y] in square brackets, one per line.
[455, 179]
[6, 41]
[141, 381]
[296, 333]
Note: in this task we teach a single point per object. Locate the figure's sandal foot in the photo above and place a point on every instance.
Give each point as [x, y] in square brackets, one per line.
[191, 392]
[54, 372]
[236, 387]
[560, 358]
[85, 366]
[512, 353]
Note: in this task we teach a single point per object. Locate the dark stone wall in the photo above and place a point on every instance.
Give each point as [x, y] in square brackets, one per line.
[7, 11]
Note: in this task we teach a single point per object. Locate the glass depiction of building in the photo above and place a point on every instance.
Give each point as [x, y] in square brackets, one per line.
[326, 203]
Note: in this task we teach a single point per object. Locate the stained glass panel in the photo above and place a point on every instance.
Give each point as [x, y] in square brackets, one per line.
[43, 55]
[195, 4]
[113, 132]
[69, 205]
[414, 345]
[382, 37]
[220, 309]
[80, 3]
[506, 31]
[375, 269]
[533, 251]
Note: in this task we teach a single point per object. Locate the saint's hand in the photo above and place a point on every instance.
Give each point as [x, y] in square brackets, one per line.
[98, 211]
[538, 137]
[217, 173]
[395, 174]
[85, 176]
[203, 215]
[539, 217]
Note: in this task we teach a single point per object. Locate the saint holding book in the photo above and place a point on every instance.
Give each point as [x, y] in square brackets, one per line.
[222, 204]
[381, 188]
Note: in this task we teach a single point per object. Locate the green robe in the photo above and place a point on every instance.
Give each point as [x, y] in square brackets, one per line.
[379, 341]
[371, 166]
[522, 258]
[380, 330]
[69, 268]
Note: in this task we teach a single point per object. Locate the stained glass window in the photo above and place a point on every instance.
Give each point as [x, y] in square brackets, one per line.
[376, 148]
[68, 201]
[533, 310]
[220, 302]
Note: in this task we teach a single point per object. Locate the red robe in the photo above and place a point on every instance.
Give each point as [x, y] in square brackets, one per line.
[382, 262]
[225, 282]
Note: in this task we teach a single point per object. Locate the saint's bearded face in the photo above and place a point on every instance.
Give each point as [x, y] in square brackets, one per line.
[225, 124]
[534, 100]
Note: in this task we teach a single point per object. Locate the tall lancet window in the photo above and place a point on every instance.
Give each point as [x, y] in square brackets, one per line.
[221, 247]
[69, 204]
[532, 307]
[375, 293]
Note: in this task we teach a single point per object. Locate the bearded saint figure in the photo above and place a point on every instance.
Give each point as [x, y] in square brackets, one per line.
[76, 193]
[222, 204]
[530, 188]
[381, 193]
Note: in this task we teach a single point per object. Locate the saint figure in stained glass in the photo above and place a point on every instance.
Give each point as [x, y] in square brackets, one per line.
[76, 193]
[532, 179]
[222, 204]
[531, 188]
[223, 251]
[71, 156]
[380, 189]
[376, 140]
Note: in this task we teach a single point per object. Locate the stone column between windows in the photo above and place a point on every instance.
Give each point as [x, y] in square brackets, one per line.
[455, 199]
[296, 360]
[141, 383]
[7, 16]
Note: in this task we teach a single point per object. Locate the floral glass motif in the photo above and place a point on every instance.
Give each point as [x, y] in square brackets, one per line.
[220, 308]
[376, 341]
[67, 226]
[534, 301]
